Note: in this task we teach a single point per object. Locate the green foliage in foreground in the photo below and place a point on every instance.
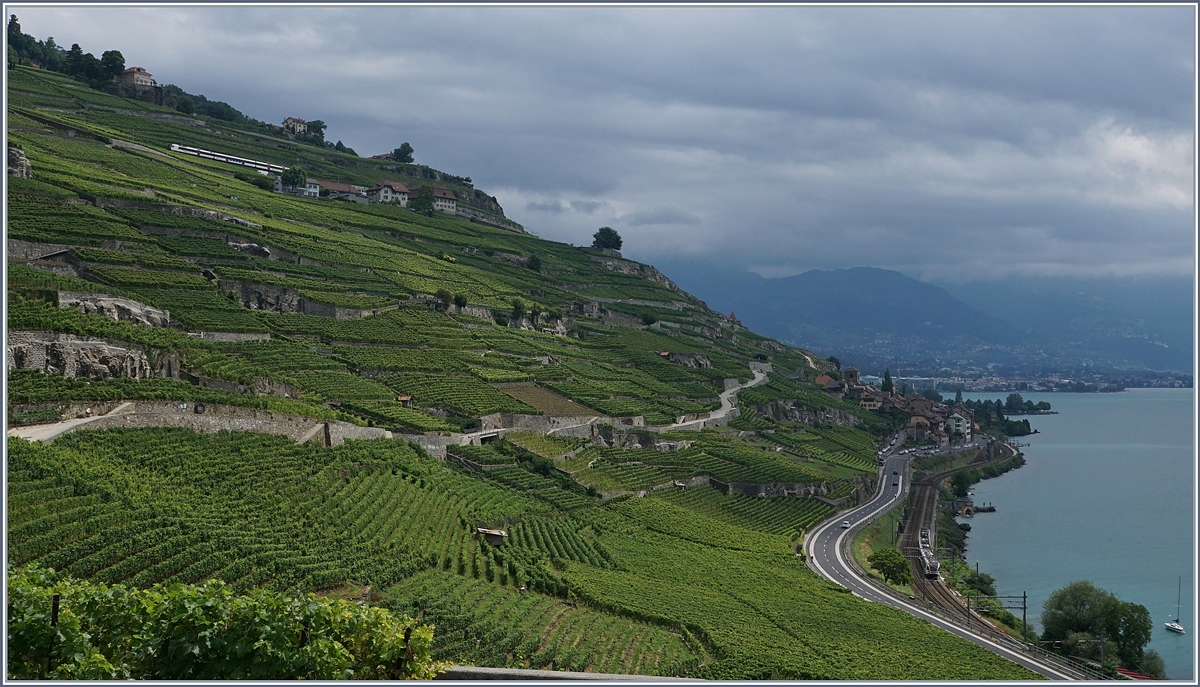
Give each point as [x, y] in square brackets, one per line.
[203, 632]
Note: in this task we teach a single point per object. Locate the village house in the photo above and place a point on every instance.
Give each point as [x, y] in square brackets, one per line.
[137, 76]
[310, 189]
[335, 190]
[919, 404]
[389, 192]
[444, 200]
[959, 424]
[295, 126]
[870, 401]
[828, 383]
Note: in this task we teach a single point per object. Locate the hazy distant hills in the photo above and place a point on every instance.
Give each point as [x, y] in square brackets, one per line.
[875, 316]
[1144, 319]
[844, 307]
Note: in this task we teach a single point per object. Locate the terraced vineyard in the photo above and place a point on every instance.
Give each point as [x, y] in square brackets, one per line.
[781, 516]
[474, 624]
[544, 445]
[680, 582]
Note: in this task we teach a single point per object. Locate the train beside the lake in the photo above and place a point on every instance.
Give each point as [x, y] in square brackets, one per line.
[930, 565]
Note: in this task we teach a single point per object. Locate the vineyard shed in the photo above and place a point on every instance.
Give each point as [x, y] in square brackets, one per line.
[494, 537]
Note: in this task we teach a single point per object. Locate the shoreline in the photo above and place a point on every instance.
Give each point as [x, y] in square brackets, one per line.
[1083, 460]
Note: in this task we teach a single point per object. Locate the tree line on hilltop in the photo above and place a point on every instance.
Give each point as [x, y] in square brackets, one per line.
[104, 74]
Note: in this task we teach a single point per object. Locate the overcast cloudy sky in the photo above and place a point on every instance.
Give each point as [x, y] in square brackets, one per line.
[954, 143]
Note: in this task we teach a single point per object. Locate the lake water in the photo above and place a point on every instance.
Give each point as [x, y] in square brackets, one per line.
[1107, 495]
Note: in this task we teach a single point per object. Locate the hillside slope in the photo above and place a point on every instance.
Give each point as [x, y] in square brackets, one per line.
[136, 274]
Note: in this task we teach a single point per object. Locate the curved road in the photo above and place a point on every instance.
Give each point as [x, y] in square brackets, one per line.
[825, 549]
[727, 406]
[49, 432]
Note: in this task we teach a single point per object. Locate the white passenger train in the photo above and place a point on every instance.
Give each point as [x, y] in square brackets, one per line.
[930, 565]
[263, 167]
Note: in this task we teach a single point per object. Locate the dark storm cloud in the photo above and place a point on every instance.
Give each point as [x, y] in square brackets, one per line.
[553, 207]
[586, 206]
[951, 142]
[660, 216]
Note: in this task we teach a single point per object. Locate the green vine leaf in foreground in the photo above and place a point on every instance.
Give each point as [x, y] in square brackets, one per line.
[203, 632]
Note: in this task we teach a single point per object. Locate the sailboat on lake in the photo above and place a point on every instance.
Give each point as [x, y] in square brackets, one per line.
[1173, 625]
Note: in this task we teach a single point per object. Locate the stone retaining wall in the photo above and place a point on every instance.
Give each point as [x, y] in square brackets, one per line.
[484, 218]
[24, 251]
[435, 444]
[230, 337]
[79, 356]
[216, 418]
[772, 489]
[794, 410]
[538, 423]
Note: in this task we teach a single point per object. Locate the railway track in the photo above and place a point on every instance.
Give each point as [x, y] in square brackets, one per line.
[923, 514]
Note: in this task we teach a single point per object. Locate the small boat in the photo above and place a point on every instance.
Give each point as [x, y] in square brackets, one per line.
[1173, 625]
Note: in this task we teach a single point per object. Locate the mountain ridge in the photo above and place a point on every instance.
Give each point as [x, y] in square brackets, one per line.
[1065, 322]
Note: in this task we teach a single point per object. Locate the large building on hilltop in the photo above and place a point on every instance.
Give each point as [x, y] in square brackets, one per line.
[292, 125]
[137, 76]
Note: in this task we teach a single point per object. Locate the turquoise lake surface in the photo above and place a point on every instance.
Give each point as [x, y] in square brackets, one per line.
[1107, 495]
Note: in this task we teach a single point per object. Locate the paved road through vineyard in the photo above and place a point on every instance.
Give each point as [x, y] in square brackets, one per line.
[826, 545]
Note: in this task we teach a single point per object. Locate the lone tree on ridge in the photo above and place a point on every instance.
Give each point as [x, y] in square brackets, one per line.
[607, 237]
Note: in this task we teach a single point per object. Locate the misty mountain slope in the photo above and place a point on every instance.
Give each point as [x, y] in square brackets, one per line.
[875, 316]
[831, 310]
[1146, 319]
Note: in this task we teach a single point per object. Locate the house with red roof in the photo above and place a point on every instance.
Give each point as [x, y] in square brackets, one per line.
[137, 76]
[389, 192]
[444, 200]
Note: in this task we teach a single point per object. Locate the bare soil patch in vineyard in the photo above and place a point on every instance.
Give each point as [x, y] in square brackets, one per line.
[550, 403]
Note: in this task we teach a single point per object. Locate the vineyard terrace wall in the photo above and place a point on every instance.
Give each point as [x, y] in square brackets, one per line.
[271, 298]
[215, 418]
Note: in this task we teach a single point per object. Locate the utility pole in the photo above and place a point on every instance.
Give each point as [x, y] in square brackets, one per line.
[1101, 640]
[1004, 603]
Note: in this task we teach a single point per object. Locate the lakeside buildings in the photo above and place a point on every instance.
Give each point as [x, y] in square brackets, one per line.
[928, 421]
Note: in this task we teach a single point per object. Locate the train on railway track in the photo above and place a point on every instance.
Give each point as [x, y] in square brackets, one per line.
[930, 565]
